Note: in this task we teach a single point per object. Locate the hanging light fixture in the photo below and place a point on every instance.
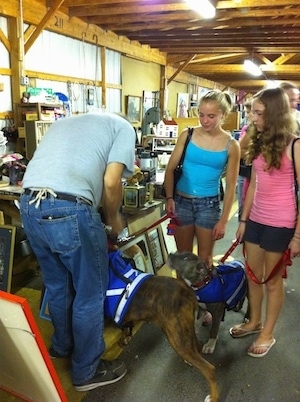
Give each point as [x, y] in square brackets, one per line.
[252, 68]
[203, 7]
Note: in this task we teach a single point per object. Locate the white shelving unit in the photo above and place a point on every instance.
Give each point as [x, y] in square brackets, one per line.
[34, 132]
[163, 144]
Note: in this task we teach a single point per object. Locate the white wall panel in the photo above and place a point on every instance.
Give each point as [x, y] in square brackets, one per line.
[5, 96]
[113, 67]
[4, 55]
[56, 54]
[113, 100]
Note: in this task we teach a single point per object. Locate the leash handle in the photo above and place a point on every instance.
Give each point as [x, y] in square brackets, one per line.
[229, 251]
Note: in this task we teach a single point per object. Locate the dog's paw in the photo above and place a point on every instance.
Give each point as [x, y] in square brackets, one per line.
[209, 347]
[207, 399]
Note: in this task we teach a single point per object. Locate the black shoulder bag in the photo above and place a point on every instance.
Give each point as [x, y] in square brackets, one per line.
[178, 169]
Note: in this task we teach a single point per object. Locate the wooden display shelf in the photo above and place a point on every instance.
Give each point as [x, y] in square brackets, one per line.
[36, 111]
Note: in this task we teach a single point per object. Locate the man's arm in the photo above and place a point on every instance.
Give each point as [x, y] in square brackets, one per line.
[112, 197]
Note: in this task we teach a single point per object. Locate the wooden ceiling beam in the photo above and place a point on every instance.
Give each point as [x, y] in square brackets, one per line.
[284, 58]
[158, 25]
[123, 9]
[225, 4]
[114, 15]
[221, 5]
[80, 3]
[239, 68]
[169, 45]
[182, 67]
[4, 40]
[214, 36]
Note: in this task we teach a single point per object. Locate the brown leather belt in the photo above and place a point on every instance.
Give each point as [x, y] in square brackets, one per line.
[61, 196]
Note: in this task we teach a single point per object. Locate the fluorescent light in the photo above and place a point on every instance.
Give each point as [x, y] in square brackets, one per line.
[252, 68]
[271, 84]
[203, 7]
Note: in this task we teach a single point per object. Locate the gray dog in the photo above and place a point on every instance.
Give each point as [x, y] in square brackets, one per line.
[221, 288]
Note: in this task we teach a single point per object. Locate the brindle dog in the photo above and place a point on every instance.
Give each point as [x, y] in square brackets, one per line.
[172, 305]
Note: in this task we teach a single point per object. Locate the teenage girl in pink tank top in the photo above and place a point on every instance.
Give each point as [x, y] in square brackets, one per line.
[270, 222]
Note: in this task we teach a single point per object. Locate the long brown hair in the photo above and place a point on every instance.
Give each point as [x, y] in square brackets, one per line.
[279, 127]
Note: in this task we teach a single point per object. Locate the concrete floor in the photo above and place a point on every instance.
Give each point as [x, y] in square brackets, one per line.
[156, 373]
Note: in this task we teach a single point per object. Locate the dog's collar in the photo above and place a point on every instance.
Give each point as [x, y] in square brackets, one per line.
[202, 283]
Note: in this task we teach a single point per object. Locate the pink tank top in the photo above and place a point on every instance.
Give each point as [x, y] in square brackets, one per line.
[274, 201]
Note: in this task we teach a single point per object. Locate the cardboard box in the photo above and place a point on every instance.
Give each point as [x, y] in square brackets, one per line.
[50, 116]
[21, 132]
[31, 116]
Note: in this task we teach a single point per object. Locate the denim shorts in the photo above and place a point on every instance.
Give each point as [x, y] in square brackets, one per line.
[269, 238]
[204, 212]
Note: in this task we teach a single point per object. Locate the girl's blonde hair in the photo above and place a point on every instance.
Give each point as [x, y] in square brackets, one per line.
[223, 100]
[279, 127]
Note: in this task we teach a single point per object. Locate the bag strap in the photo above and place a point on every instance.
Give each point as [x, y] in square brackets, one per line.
[294, 168]
[189, 135]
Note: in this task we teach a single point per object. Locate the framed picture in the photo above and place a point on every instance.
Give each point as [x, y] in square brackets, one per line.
[182, 104]
[7, 247]
[138, 249]
[156, 247]
[133, 108]
[27, 371]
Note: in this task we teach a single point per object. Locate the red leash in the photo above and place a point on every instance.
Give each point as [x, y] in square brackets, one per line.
[165, 217]
[284, 260]
[113, 242]
[229, 251]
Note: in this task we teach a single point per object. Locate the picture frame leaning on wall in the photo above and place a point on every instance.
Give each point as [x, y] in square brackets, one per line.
[133, 108]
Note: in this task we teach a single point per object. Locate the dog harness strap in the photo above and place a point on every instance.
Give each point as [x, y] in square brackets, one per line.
[125, 277]
[114, 292]
[284, 260]
[242, 286]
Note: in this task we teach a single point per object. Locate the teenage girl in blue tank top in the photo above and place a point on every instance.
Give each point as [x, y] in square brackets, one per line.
[211, 153]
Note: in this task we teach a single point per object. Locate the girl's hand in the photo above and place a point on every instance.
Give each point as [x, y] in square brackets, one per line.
[170, 206]
[240, 231]
[218, 231]
[294, 247]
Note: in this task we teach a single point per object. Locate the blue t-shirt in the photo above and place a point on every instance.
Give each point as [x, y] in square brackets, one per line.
[202, 171]
[73, 155]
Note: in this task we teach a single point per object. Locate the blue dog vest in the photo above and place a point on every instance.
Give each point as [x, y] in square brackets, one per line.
[124, 281]
[229, 285]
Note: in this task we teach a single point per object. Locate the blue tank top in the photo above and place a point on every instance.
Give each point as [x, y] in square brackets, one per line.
[202, 171]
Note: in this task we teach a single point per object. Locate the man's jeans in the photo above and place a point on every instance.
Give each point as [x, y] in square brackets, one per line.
[70, 244]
